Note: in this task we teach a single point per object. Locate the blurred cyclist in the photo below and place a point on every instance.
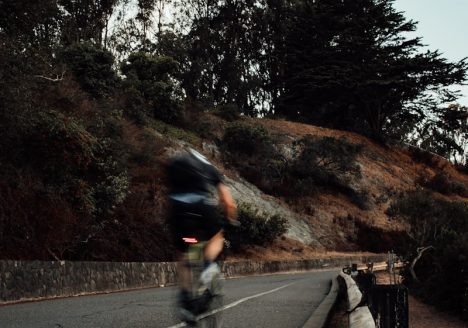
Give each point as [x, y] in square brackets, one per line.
[196, 189]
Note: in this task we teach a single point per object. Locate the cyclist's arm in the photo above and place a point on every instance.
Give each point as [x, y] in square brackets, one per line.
[227, 201]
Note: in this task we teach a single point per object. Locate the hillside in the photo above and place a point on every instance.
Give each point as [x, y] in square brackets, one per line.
[328, 219]
[332, 188]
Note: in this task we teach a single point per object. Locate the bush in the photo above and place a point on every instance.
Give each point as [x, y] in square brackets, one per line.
[229, 112]
[256, 228]
[443, 183]
[248, 140]
[423, 156]
[327, 162]
[361, 199]
[36, 225]
[421, 209]
[149, 82]
[377, 240]
[92, 68]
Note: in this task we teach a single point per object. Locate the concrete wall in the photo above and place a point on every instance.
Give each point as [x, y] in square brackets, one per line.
[29, 280]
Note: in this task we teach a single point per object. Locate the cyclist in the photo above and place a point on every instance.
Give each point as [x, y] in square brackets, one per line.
[194, 184]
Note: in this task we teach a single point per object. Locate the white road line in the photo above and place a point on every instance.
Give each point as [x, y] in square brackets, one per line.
[242, 300]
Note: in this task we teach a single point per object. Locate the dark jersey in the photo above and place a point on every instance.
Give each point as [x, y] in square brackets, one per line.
[192, 173]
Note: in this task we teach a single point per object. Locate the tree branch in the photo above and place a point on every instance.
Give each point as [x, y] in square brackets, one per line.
[420, 251]
[57, 78]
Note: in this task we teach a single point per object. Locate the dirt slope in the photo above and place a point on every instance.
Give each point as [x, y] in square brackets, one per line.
[330, 222]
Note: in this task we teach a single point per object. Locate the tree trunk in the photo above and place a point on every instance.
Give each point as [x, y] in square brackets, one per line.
[420, 251]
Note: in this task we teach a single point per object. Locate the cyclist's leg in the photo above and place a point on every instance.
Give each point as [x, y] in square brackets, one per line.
[184, 224]
[184, 277]
[213, 224]
[214, 247]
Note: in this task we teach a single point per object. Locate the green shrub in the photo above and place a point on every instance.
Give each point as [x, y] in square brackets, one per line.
[256, 228]
[149, 82]
[247, 140]
[329, 163]
[92, 68]
[75, 163]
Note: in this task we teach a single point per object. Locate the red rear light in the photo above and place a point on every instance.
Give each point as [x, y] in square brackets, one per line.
[190, 240]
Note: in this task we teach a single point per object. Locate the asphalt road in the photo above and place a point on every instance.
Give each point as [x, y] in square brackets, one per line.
[285, 300]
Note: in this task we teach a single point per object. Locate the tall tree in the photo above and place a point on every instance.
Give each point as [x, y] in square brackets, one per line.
[445, 132]
[350, 66]
[85, 20]
[233, 50]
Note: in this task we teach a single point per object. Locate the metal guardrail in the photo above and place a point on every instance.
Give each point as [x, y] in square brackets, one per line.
[360, 315]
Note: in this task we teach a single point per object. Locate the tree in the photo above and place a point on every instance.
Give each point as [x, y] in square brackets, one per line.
[445, 132]
[233, 52]
[350, 66]
[92, 68]
[85, 20]
[151, 79]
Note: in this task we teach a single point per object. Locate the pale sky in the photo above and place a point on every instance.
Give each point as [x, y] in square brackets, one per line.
[443, 26]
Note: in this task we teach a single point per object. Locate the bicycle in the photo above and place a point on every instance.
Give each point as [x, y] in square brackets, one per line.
[204, 299]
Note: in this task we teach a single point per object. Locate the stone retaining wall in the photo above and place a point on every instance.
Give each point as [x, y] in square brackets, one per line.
[31, 280]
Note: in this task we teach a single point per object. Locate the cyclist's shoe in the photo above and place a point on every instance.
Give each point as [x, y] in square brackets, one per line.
[185, 307]
[209, 273]
[187, 316]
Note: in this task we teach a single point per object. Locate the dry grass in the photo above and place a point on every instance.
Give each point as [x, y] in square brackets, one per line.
[289, 249]
[386, 171]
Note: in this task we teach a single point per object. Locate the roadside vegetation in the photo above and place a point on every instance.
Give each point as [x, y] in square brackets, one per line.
[437, 250]
[93, 100]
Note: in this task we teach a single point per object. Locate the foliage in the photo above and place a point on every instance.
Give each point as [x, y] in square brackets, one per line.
[444, 132]
[150, 85]
[85, 20]
[37, 225]
[462, 168]
[330, 163]
[428, 216]
[254, 152]
[325, 158]
[66, 163]
[248, 140]
[369, 237]
[441, 224]
[256, 228]
[443, 183]
[92, 68]
[229, 112]
[316, 163]
[73, 182]
[351, 67]
[424, 157]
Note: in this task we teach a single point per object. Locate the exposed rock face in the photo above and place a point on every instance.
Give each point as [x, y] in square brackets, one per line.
[246, 193]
